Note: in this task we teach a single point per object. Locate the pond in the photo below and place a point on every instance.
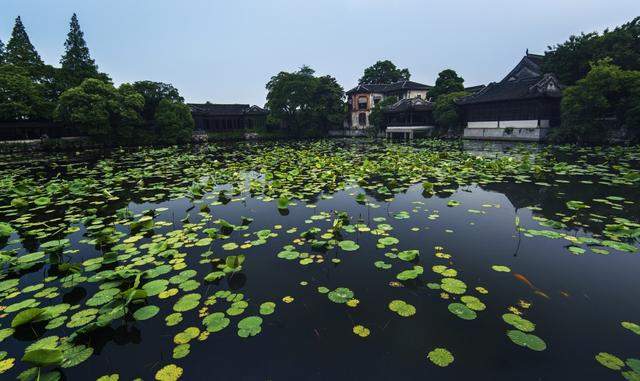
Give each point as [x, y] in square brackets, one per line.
[321, 260]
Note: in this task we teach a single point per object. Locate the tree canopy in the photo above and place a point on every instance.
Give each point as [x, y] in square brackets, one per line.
[302, 102]
[77, 64]
[384, 72]
[448, 82]
[608, 98]
[446, 112]
[116, 115]
[175, 124]
[78, 95]
[94, 106]
[20, 97]
[571, 60]
[153, 93]
[20, 52]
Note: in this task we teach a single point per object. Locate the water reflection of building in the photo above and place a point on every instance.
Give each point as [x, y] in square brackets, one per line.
[524, 105]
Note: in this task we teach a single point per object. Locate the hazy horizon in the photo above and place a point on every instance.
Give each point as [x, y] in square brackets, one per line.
[226, 53]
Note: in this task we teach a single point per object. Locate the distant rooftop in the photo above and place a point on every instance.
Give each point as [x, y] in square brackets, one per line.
[404, 105]
[225, 109]
[388, 88]
[474, 89]
[525, 81]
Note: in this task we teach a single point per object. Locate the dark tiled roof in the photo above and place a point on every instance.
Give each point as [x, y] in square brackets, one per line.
[388, 88]
[529, 66]
[225, 109]
[546, 86]
[415, 104]
[474, 89]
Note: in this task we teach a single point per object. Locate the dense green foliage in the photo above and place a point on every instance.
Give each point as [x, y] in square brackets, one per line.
[104, 113]
[143, 113]
[174, 121]
[20, 97]
[605, 101]
[448, 82]
[446, 112]
[376, 117]
[384, 72]
[305, 104]
[153, 93]
[571, 60]
[117, 116]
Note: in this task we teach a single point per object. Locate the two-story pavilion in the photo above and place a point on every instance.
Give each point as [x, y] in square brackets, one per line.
[363, 98]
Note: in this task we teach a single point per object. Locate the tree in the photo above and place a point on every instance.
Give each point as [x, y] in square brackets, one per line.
[303, 103]
[571, 60]
[448, 82]
[446, 112]
[104, 113]
[328, 109]
[20, 52]
[77, 64]
[128, 122]
[607, 99]
[175, 124]
[384, 72]
[153, 93]
[20, 97]
[1, 52]
[376, 116]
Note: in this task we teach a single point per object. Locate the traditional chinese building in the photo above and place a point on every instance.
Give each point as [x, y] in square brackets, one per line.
[363, 98]
[409, 112]
[522, 106]
[211, 117]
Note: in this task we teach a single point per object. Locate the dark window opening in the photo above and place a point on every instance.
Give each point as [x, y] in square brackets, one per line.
[362, 119]
[362, 103]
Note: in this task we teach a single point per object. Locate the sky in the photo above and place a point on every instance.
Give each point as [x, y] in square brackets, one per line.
[226, 51]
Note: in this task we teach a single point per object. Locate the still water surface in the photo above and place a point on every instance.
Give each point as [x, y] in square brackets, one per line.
[577, 300]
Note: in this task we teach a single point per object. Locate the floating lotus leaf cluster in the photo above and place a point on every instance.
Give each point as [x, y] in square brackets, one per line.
[107, 223]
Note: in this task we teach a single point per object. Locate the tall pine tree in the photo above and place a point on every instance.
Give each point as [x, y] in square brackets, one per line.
[20, 52]
[1, 52]
[76, 62]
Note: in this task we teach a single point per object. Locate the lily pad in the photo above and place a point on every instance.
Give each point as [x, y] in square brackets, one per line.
[462, 311]
[441, 357]
[402, 308]
[146, 312]
[519, 322]
[250, 326]
[348, 245]
[530, 341]
[340, 295]
[610, 361]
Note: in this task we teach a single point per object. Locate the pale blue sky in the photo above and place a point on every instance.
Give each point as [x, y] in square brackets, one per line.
[225, 51]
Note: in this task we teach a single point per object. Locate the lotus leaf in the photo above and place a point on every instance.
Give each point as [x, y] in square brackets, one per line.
[402, 308]
[462, 311]
[530, 341]
[441, 357]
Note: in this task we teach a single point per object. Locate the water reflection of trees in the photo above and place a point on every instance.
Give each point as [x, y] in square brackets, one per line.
[552, 201]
